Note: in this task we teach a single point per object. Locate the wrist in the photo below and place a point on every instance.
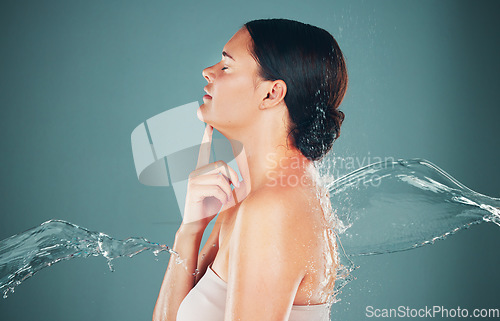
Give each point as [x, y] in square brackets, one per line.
[193, 228]
[187, 242]
[189, 231]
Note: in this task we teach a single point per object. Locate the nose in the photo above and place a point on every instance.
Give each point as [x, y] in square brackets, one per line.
[208, 74]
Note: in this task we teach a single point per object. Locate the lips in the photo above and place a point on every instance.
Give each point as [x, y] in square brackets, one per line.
[208, 94]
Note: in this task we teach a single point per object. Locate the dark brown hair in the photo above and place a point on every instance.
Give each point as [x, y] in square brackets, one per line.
[310, 62]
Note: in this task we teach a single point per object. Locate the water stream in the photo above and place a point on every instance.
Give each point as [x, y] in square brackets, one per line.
[383, 207]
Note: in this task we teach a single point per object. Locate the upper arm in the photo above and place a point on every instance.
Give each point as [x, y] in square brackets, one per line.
[265, 261]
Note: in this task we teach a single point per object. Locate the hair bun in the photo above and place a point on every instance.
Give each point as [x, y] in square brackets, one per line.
[310, 62]
[315, 137]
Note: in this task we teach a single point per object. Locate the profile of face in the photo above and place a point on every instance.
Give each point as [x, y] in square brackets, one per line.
[280, 78]
[234, 91]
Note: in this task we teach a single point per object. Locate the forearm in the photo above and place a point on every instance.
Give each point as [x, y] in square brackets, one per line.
[179, 278]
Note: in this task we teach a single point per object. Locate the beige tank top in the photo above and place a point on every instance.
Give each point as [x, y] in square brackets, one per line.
[207, 301]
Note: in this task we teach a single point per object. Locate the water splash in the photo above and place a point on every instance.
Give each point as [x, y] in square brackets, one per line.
[380, 208]
[22, 255]
[410, 202]
[392, 206]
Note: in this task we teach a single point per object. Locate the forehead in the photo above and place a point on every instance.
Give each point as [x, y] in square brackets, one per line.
[239, 46]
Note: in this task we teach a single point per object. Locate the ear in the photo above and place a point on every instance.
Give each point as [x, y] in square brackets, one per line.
[275, 94]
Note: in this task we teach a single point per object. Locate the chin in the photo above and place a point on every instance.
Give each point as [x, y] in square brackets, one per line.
[201, 114]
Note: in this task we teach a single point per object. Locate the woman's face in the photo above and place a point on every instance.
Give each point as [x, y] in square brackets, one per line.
[233, 87]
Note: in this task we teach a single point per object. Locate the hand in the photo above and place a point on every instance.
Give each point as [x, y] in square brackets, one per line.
[208, 188]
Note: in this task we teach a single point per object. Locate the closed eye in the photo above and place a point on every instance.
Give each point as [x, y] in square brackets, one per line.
[224, 68]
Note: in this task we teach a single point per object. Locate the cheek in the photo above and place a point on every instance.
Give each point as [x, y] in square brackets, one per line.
[235, 103]
[237, 91]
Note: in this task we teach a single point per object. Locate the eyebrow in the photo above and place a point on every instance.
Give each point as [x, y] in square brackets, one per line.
[225, 54]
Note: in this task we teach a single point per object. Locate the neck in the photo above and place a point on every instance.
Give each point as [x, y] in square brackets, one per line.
[268, 158]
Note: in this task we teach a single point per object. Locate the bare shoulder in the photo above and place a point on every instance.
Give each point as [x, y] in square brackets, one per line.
[282, 202]
[277, 215]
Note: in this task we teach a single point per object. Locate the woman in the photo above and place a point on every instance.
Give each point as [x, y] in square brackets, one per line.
[271, 254]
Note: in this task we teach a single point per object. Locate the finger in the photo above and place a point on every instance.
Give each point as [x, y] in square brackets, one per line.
[204, 153]
[214, 180]
[232, 174]
[212, 191]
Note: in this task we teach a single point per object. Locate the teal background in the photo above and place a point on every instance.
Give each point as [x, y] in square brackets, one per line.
[78, 76]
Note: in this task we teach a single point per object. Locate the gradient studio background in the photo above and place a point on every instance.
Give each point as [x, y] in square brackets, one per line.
[78, 76]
